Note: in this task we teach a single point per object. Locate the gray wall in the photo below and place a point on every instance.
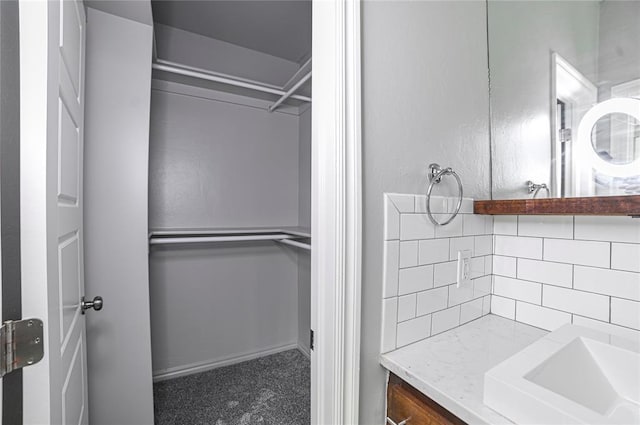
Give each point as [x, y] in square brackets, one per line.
[619, 37]
[221, 163]
[211, 304]
[118, 79]
[203, 52]
[425, 99]
[304, 220]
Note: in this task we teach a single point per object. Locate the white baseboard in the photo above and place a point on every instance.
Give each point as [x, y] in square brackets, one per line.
[189, 369]
[305, 351]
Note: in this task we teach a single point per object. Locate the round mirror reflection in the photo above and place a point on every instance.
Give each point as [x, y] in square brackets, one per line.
[616, 138]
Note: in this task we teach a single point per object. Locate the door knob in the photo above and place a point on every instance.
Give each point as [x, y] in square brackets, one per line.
[96, 304]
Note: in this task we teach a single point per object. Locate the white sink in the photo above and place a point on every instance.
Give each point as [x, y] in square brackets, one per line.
[574, 375]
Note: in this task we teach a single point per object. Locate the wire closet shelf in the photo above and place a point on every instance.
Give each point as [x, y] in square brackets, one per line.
[296, 238]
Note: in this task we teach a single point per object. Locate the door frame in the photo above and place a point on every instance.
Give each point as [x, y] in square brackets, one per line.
[336, 229]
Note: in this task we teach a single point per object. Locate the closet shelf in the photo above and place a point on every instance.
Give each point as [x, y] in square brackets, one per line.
[190, 71]
[189, 236]
[295, 243]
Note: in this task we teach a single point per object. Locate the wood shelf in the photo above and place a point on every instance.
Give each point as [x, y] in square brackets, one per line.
[600, 205]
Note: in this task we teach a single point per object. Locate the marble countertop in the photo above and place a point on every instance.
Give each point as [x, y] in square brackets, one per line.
[449, 368]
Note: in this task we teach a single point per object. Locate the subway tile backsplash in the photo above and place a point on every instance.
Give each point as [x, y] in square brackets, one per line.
[589, 273]
[420, 265]
[544, 271]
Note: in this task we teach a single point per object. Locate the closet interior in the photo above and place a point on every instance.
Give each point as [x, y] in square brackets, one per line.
[229, 211]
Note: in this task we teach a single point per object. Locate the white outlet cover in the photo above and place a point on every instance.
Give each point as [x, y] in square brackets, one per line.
[464, 268]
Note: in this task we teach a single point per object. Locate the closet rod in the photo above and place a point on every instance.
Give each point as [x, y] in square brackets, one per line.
[290, 92]
[162, 65]
[295, 243]
[203, 239]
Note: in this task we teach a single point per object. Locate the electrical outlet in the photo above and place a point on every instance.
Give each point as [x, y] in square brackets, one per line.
[464, 267]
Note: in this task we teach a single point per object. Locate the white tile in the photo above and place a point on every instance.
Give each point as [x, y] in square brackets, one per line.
[477, 267]
[548, 226]
[413, 330]
[504, 307]
[474, 224]
[465, 208]
[607, 228]
[577, 252]
[415, 279]
[389, 321]
[432, 300]
[391, 220]
[445, 319]
[488, 223]
[583, 303]
[408, 254]
[433, 251]
[625, 256]
[606, 327]
[482, 286]
[505, 224]
[541, 317]
[460, 244]
[460, 295]
[471, 310]
[390, 265]
[486, 305]
[610, 282]
[406, 307]
[504, 266]
[518, 246]
[438, 204]
[416, 226]
[625, 313]
[445, 273]
[403, 202]
[488, 264]
[453, 229]
[545, 272]
[482, 245]
[517, 289]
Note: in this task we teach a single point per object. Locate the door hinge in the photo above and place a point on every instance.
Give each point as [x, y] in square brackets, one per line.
[21, 344]
[311, 339]
[565, 135]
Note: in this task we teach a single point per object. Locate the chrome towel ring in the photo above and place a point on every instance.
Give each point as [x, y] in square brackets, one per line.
[535, 188]
[435, 176]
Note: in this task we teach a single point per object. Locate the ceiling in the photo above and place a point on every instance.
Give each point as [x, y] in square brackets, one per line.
[277, 28]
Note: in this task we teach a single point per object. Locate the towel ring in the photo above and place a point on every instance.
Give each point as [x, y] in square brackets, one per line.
[436, 173]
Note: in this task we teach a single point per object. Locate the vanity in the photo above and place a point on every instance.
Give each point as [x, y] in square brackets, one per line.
[496, 371]
[448, 369]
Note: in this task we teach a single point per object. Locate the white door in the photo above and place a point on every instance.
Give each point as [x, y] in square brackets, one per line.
[52, 42]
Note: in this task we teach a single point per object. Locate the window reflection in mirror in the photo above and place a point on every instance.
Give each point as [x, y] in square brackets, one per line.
[551, 62]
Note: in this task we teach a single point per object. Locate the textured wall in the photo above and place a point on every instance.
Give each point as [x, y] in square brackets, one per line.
[221, 164]
[425, 99]
[222, 161]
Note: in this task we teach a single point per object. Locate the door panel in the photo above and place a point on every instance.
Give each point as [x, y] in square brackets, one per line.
[69, 206]
[52, 92]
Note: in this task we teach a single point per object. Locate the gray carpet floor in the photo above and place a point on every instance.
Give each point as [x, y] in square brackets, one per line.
[272, 390]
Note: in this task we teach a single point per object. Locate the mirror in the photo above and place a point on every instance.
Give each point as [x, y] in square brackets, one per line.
[614, 138]
[565, 98]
